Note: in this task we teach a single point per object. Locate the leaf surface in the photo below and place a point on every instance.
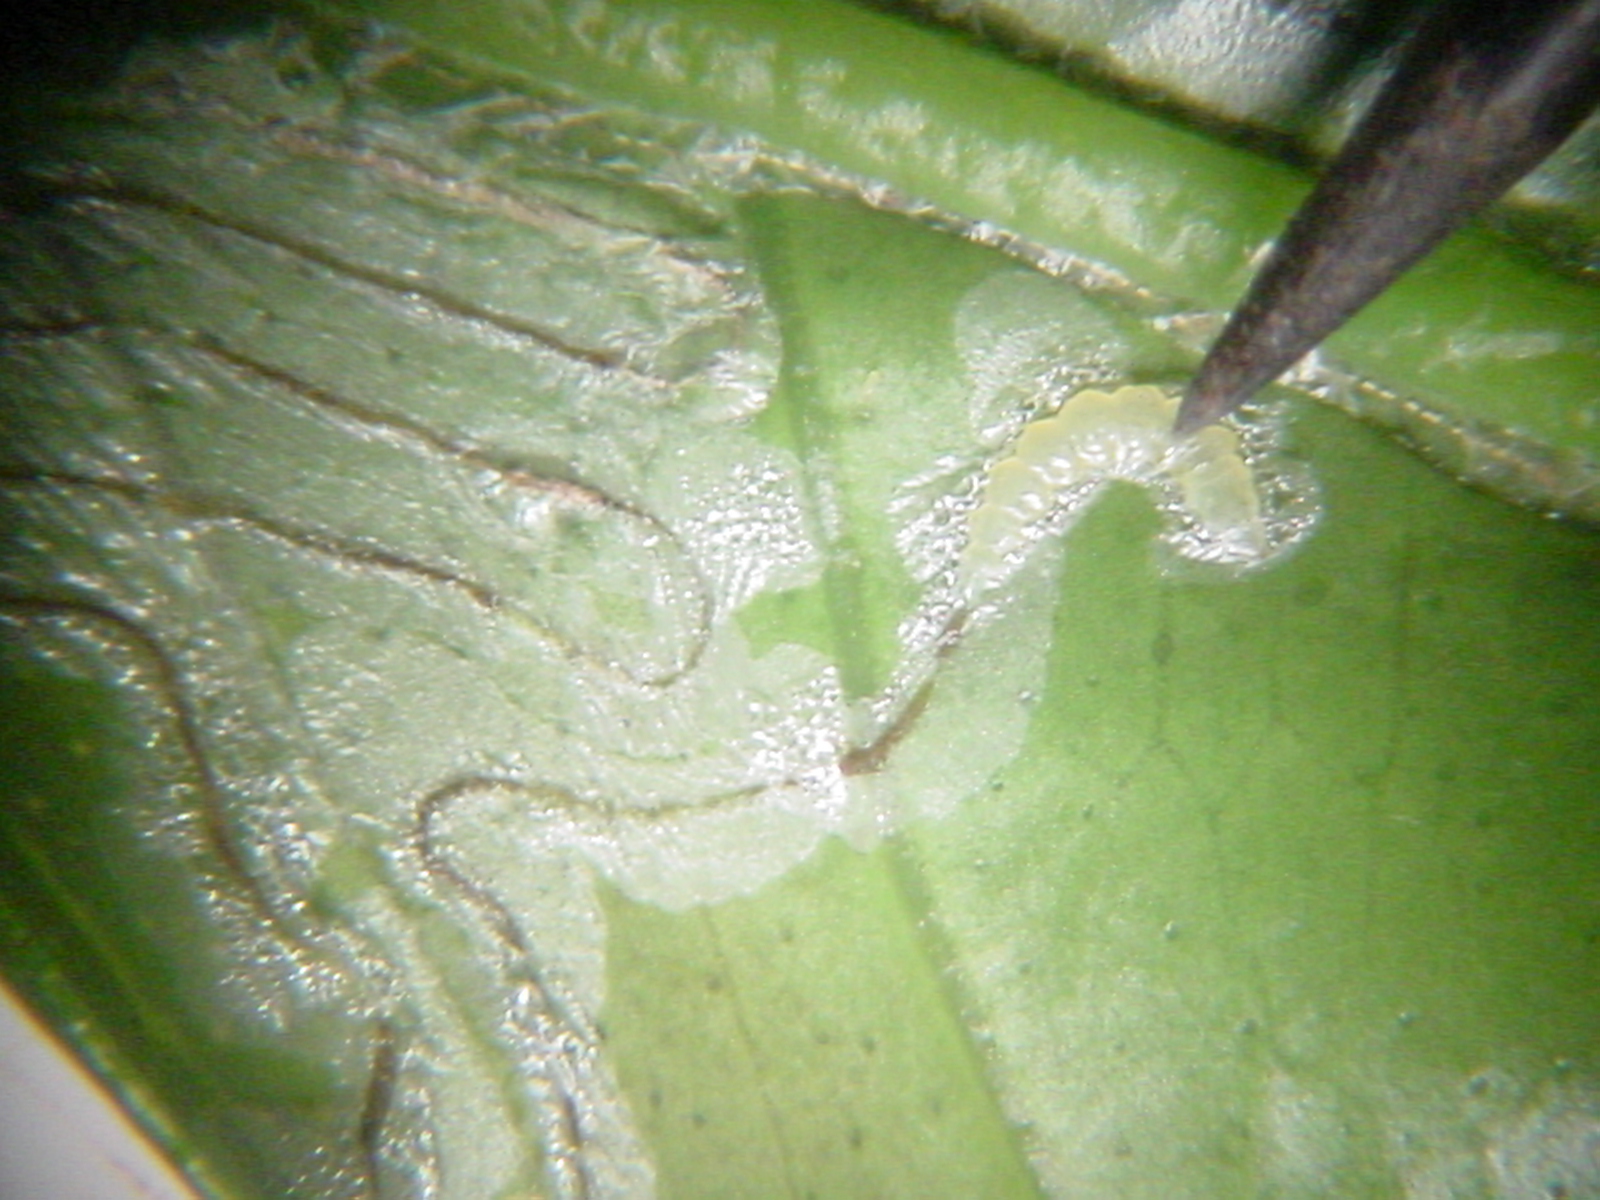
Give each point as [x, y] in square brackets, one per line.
[493, 709]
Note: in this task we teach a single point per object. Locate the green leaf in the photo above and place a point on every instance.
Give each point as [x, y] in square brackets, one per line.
[499, 701]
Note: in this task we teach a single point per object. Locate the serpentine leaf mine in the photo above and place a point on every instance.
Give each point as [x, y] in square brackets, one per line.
[390, 460]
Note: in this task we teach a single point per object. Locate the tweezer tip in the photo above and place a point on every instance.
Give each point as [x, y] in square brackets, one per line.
[1198, 409]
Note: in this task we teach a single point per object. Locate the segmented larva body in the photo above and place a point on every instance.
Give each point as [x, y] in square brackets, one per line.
[1099, 436]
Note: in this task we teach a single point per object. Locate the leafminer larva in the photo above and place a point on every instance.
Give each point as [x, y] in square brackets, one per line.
[1059, 462]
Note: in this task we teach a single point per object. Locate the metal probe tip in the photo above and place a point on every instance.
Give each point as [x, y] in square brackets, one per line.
[1486, 90]
[1202, 406]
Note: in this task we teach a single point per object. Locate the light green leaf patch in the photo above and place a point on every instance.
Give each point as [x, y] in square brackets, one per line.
[492, 570]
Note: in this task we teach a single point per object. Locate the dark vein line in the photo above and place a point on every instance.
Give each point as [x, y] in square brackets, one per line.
[216, 511]
[437, 861]
[569, 492]
[172, 697]
[211, 510]
[562, 1028]
[874, 756]
[542, 212]
[312, 139]
[57, 326]
[129, 195]
[376, 1102]
[393, 422]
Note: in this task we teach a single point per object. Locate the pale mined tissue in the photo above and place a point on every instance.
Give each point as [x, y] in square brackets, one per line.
[425, 579]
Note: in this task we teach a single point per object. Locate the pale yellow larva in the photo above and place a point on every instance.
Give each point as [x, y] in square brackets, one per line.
[1219, 493]
[1098, 436]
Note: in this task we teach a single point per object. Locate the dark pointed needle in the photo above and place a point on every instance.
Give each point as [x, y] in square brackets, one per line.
[1485, 91]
